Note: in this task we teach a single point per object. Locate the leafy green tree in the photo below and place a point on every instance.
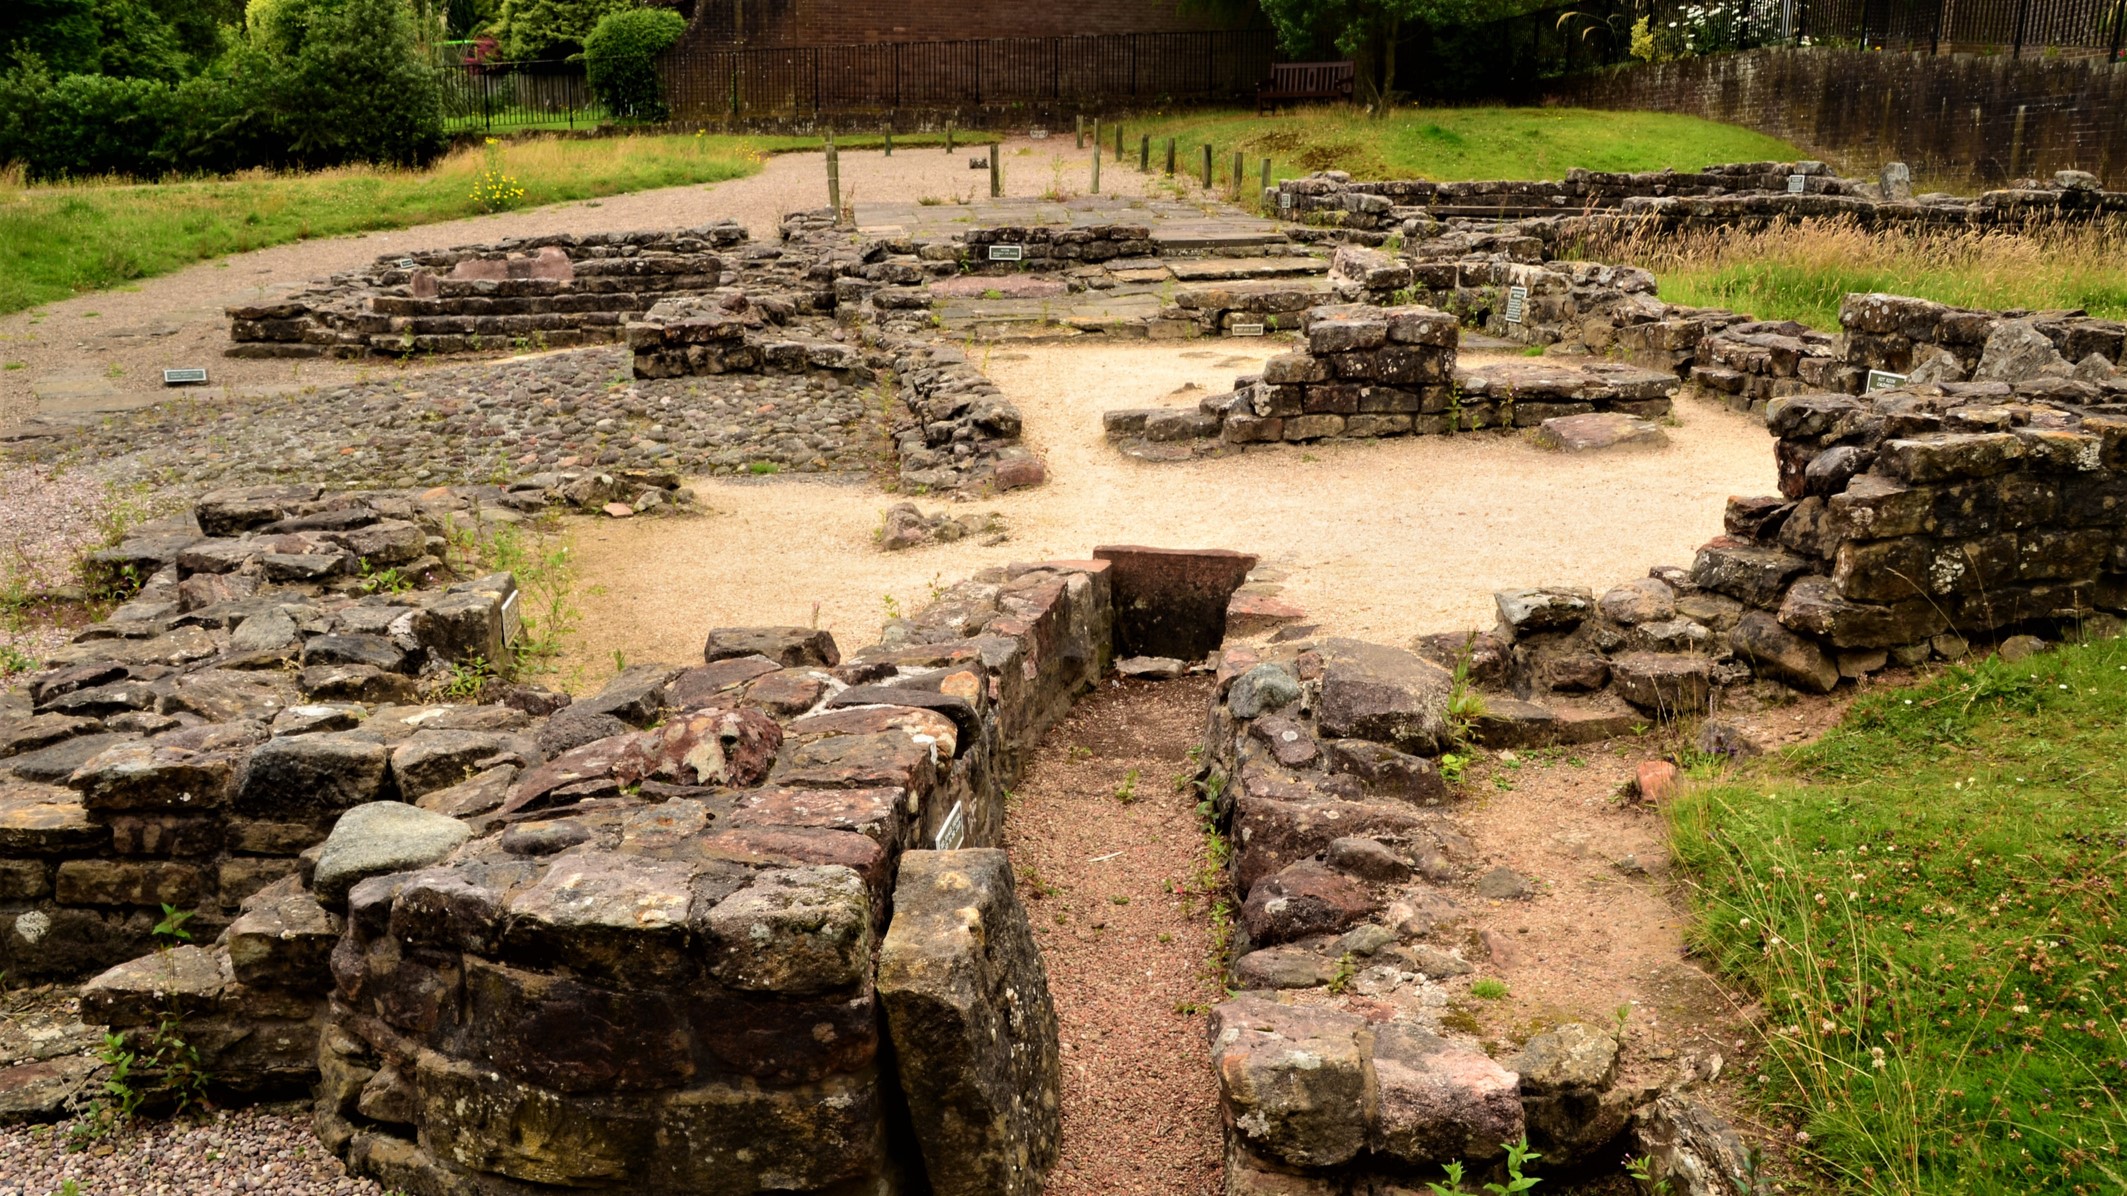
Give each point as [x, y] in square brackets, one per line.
[61, 33]
[345, 80]
[1367, 31]
[136, 42]
[552, 28]
[620, 60]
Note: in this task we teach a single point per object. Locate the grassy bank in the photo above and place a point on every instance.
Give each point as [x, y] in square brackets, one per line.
[1800, 272]
[61, 240]
[1451, 143]
[1928, 902]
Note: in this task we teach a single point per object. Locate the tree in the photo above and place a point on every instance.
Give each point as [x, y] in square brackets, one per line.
[347, 81]
[1367, 31]
[552, 28]
[620, 60]
[61, 33]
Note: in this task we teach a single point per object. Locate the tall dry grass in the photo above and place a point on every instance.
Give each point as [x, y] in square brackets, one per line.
[1799, 270]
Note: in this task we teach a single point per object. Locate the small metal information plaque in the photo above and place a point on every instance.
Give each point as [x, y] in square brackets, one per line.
[406, 263]
[1246, 330]
[184, 377]
[1517, 303]
[1797, 184]
[1285, 199]
[1884, 380]
[953, 830]
[1007, 253]
[512, 620]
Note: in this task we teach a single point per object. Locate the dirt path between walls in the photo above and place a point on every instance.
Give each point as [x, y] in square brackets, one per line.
[106, 350]
[1106, 850]
[1379, 539]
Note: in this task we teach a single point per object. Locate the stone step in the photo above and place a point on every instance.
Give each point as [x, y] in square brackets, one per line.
[1219, 269]
[1194, 238]
[1509, 722]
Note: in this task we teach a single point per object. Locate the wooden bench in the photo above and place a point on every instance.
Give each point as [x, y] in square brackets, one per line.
[1304, 81]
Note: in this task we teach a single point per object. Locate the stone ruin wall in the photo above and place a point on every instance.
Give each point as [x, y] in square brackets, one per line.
[549, 292]
[684, 917]
[1364, 371]
[1729, 195]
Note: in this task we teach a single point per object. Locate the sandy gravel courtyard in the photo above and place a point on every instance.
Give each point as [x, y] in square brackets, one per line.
[1380, 539]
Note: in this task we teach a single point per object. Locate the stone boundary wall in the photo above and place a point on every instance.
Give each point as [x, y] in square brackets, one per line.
[1337, 1070]
[953, 431]
[549, 291]
[638, 954]
[1986, 119]
[161, 757]
[1366, 371]
[2074, 357]
[1752, 194]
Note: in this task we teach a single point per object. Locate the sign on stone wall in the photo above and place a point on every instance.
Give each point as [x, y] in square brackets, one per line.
[188, 376]
[1007, 253]
[1517, 303]
[1246, 330]
[1884, 380]
[1797, 184]
[953, 831]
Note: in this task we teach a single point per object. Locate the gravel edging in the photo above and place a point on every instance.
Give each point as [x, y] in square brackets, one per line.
[234, 1152]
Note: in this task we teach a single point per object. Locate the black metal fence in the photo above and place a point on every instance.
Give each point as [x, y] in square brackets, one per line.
[487, 96]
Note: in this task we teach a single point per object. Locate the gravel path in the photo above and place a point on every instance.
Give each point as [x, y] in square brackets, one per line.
[262, 1151]
[116, 343]
[1106, 851]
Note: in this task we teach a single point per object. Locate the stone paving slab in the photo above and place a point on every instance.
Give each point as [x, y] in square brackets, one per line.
[1176, 226]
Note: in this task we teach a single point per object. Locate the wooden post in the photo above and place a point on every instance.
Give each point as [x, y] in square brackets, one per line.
[1096, 137]
[1170, 157]
[1266, 183]
[1207, 168]
[834, 179]
[949, 137]
[889, 141]
[1078, 139]
[1096, 165]
[996, 172]
[1240, 169]
[1144, 153]
[1118, 145]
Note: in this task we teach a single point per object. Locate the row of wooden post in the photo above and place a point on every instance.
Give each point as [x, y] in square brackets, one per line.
[1144, 162]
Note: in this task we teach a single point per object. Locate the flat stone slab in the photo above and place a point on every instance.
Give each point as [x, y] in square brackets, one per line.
[1599, 430]
[1219, 269]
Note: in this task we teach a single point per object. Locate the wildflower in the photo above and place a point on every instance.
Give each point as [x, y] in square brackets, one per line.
[1876, 1058]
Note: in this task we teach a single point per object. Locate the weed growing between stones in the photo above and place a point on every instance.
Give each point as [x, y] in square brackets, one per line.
[538, 556]
[1518, 1156]
[1927, 901]
[166, 1069]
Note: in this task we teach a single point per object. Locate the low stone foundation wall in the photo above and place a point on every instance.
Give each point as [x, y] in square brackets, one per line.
[1338, 1068]
[1367, 371]
[541, 292]
[953, 431]
[267, 676]
[1743, 194]
[662, 945]
[2067, 356]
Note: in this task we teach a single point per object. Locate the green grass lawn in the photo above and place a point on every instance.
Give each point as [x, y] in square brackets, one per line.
[61, 240]
[1450, 143]
[1928, 902]
[1801, 272]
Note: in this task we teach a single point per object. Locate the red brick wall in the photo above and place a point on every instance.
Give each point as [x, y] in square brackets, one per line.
[811, 22]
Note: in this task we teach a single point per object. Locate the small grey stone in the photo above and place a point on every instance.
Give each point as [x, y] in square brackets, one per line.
[1151, 668]
[380, 838]
[1262, 689]
[1503, 884]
